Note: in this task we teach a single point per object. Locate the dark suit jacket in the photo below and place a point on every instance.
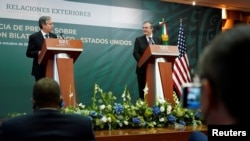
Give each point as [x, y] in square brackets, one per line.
[140, 46]
[47, 125]
[34, 46]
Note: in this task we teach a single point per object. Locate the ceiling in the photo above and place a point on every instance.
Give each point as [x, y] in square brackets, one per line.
[236, 5]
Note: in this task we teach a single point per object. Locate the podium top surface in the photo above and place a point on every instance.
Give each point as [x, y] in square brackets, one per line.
[52, 46]
[166, 50]
[63, 44]
[169, 52]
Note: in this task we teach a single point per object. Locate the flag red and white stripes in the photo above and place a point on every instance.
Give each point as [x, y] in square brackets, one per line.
[181, 69]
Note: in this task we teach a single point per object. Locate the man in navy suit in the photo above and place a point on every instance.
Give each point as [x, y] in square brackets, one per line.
[35, 44]
[47, 123]
[140, 45]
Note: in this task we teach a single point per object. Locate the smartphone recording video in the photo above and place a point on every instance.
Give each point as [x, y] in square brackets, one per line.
[191, 94]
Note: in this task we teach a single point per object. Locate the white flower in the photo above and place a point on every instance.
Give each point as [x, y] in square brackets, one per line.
[104, 119]
[154, 122]
[81, 105]
[161, 101]
[126, 122]
[169, 109]
[145, 89]
[123, 94]
[162, 119]
[102, 107]
[162, 108]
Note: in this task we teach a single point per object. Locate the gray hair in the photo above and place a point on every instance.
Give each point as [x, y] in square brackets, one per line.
[43, 20]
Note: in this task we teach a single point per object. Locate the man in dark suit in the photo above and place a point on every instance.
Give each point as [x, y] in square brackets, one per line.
[47, 123]
[35, 44]
[140, 45]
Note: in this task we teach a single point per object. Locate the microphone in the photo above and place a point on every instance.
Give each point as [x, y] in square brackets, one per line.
[61, 34]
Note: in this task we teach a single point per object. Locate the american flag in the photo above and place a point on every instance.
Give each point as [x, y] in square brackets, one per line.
[181, 69]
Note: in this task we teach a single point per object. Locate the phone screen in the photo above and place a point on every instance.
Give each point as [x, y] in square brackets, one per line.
[191, 97]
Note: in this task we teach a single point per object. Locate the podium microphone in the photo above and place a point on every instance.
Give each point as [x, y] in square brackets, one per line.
[61, 34]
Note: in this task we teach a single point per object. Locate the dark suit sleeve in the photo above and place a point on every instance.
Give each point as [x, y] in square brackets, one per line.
[33, 47]
[136, 52]
[35, 44]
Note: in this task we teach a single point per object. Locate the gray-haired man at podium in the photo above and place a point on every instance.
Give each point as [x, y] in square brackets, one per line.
[140, 45]
[35, 44]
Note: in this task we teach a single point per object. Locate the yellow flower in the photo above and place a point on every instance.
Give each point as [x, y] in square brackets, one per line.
[148, 112]
[164, 37]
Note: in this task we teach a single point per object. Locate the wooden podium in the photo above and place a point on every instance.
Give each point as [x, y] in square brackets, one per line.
[153, 52]
[59, 56]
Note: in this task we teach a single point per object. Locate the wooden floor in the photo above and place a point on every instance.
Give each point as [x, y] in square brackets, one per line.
[154, 134]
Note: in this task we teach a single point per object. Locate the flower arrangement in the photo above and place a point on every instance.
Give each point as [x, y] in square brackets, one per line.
[106, 113]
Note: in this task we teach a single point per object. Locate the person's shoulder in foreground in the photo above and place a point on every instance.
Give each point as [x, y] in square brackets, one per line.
[47, 122]
[45, 125]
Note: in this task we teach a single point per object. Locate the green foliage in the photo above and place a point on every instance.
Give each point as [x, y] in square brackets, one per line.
[106, 113]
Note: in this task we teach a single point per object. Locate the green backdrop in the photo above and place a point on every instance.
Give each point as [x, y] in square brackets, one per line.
[107, 57]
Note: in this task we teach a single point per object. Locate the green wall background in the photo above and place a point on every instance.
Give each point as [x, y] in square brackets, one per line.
[112, 67]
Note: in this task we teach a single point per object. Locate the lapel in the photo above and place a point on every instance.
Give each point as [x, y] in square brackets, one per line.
[145, 41]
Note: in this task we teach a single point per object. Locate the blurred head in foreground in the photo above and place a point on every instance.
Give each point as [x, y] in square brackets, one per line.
[222, 67]
[46, 94]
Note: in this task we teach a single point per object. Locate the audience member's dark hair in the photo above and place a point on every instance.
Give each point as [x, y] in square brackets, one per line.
[46, 91]
[224, 63]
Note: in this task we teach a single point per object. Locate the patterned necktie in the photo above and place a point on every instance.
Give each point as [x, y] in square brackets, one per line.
[150, 41]
[46, 35]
